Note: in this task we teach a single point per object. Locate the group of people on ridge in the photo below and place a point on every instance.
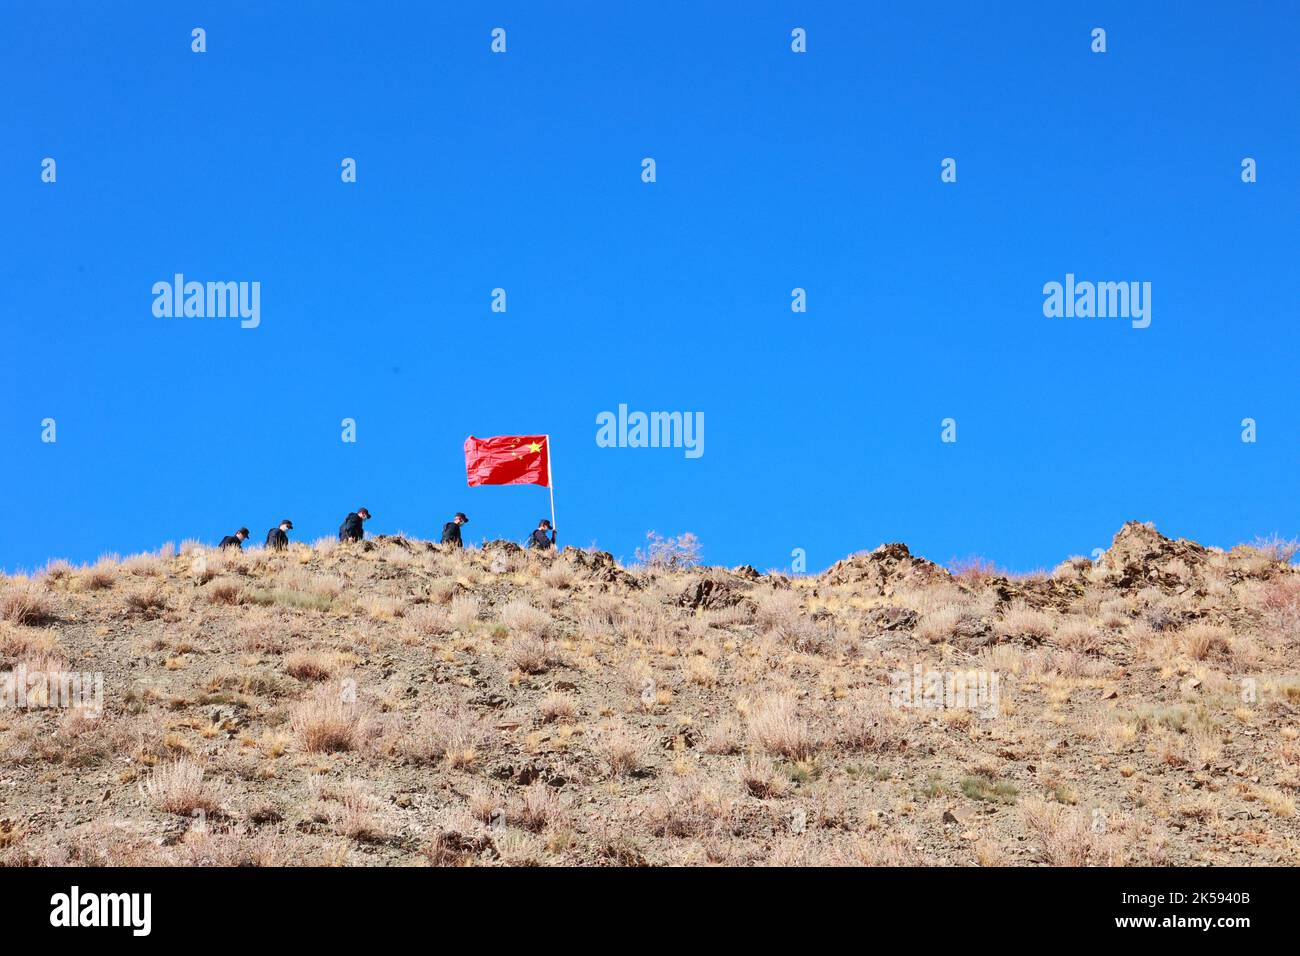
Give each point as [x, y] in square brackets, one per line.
[542, 538]
[352, 529]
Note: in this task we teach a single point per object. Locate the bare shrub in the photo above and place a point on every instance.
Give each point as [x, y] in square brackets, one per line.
[361, 818]
[328, 586]
[382, 607]
[1071, 567]
[558, 575]
[700, 670]
[288, 598]
[940, 623]
[56, 570]
[1279, 603]
[673, 553]
[1277, 548]
[687, 809]
[775, 609]
[442, 590]
[350, 805]
[143, 565]
[888, 848]
[804, 635]
[11, 833]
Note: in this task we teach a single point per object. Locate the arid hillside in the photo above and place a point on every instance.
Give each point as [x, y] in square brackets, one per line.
[394, 703]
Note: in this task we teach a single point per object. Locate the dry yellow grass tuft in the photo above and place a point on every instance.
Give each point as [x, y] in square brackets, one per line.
[180, 787]
[327, 721]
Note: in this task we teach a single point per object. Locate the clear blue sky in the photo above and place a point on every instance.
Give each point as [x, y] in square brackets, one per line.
[775, 171]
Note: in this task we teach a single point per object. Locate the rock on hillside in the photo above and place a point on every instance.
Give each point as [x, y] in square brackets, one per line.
[1140, 556]
[886, 569]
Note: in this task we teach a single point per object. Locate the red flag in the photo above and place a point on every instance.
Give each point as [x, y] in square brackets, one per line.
[508, 460]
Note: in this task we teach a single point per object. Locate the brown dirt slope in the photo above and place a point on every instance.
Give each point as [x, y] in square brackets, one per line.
[392, 703]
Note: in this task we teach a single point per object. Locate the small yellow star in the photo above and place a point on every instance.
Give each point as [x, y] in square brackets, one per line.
[534, 446]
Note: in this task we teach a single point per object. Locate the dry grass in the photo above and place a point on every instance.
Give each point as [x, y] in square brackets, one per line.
[775, 725]
[402, 704]
[623, 752]
[312, 665]
[99, 577]
[522, 619]
[25, 605]
[557, 707]
[453, 735]
[429, 620]
[1068, 837]
[180, 787]
[326, 722]
[226, 591]
[148, 601]
[530, 655]
[1022, 623]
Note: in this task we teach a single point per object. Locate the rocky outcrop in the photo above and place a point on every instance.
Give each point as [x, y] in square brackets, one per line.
[713, 593]
[883, 571]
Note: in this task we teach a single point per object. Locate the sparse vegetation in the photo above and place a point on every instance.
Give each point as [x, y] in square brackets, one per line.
[398, 703]
[24, 604]
[179, 787]
[672, 553]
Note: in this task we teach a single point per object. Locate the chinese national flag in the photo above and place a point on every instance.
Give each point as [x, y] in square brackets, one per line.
[508, 460]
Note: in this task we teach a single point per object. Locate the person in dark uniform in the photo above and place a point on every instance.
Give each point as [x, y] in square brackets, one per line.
[276, 539]
[351, 528]
[451, 530]
[539, 539]
[235, 540]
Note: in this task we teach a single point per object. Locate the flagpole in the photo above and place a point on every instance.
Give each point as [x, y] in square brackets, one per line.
[550, 485]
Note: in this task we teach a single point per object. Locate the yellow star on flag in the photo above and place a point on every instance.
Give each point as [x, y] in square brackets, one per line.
[534, 446]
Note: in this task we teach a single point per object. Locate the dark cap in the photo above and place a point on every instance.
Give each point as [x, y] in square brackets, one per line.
[363, 512]
[546, 522]
[243, 531]
[461, 516]
[288, 522]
